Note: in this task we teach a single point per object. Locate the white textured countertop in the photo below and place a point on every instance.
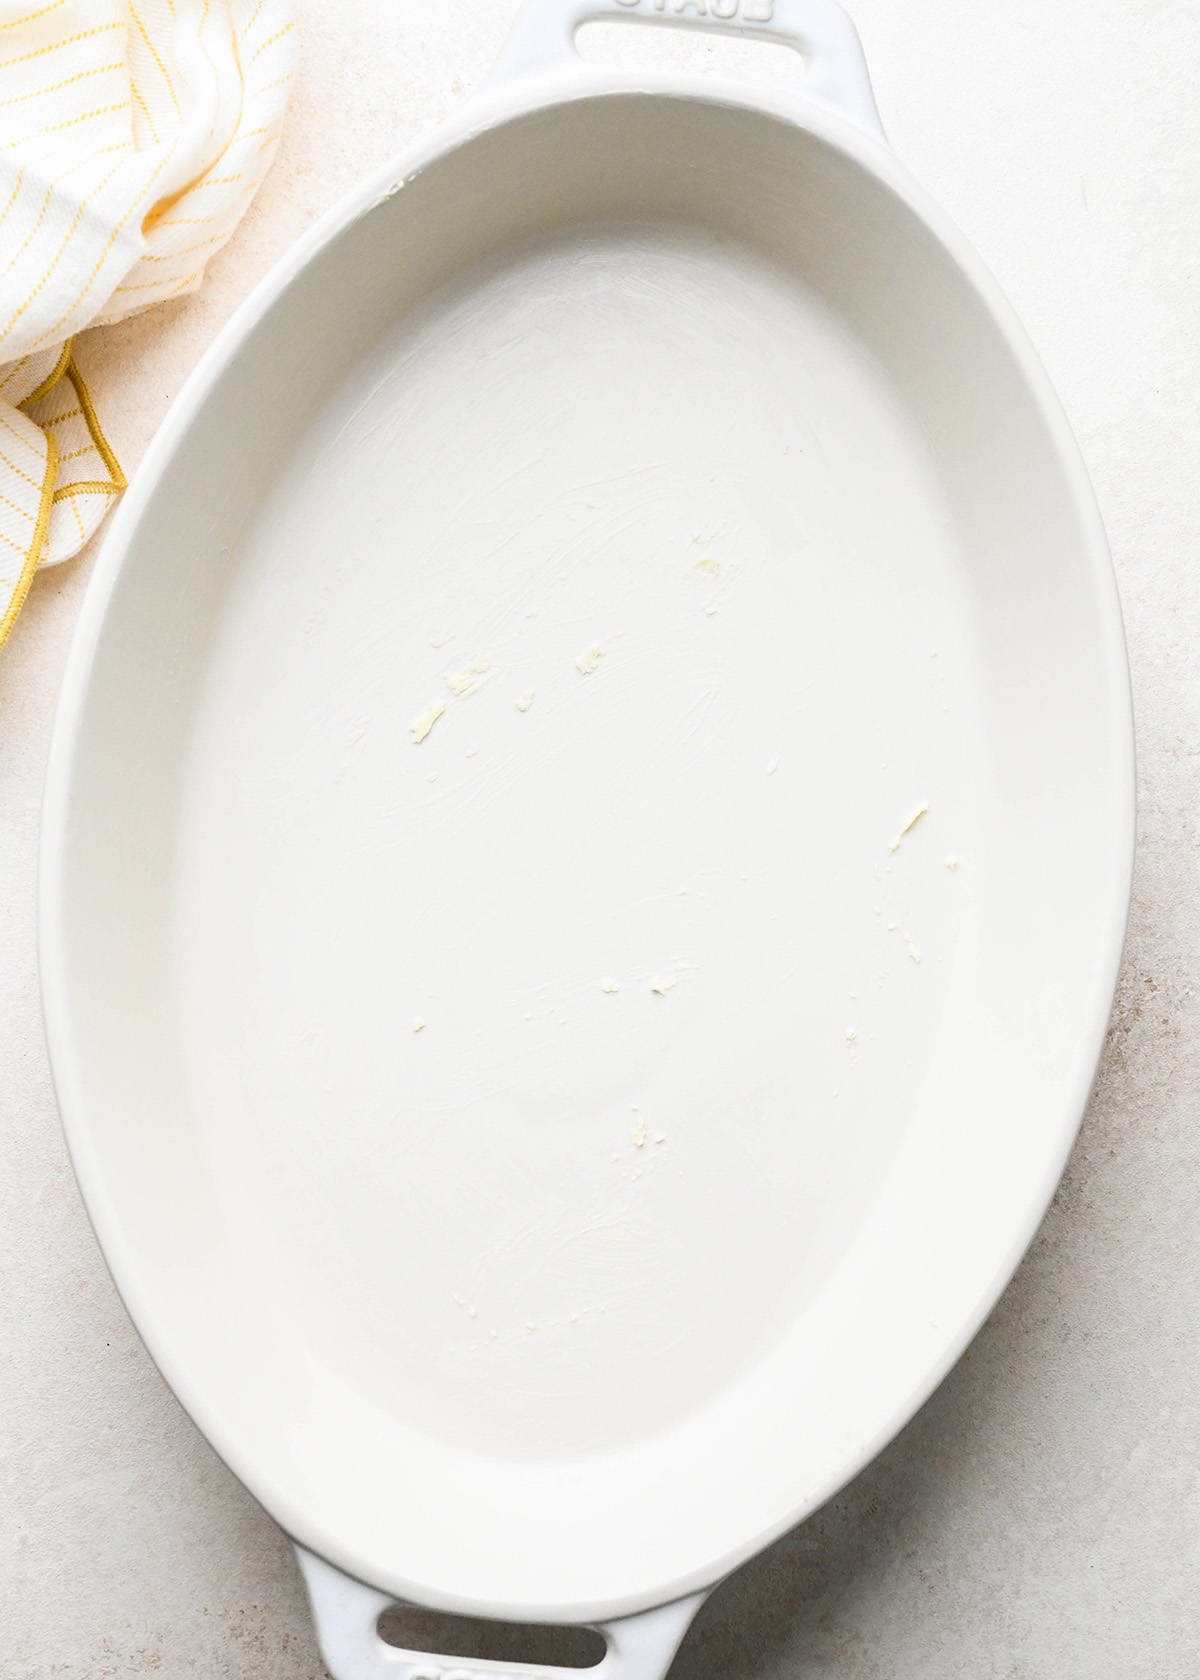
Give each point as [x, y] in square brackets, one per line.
[1041, 1517]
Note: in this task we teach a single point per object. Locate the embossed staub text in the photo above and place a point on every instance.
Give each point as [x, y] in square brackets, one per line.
[748, 11]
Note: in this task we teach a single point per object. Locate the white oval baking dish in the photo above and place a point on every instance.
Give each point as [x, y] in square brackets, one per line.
[555, 1100]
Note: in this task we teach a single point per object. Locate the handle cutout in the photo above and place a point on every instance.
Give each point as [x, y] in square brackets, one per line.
[618, 43]
[533, 1645]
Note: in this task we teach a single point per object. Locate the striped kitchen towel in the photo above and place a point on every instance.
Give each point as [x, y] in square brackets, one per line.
[133, 134]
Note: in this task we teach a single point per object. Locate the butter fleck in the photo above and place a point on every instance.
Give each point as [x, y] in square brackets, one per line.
[709, 566]
[951, 863]
[894, 845]
[469, 679]
[418, 1023]
[589, 659]
[610, 986]
[359, 729]
[662, 984]
[440, 641]
[851, 1035]
[420, 726]
[913, 954]
[660, 1137]
[524, 701]
[710, 608]
[472, 752]
[638, 1134]
[772, 766]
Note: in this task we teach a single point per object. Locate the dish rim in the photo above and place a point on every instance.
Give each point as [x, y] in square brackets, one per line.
[494, 109]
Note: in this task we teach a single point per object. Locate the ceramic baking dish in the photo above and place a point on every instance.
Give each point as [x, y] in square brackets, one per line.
[587, 842]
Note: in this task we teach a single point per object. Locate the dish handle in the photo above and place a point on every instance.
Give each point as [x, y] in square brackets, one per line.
[543, 39]
[346, 1613]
